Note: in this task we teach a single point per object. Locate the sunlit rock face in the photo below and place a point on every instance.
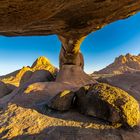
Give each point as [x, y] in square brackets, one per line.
[40, 17]
[109, 103]
[128, 82]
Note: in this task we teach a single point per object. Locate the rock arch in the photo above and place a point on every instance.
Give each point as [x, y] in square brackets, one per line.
[71, 20]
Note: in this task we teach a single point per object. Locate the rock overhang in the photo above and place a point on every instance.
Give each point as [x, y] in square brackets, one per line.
[62, 17]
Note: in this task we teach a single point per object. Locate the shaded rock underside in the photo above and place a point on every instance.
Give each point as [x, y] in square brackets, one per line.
[69, 17]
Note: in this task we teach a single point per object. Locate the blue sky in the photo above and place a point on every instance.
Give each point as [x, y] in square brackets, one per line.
[99, 48]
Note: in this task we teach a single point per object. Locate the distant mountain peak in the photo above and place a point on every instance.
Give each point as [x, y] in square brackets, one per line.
[41, 63]
[123, 64]
[121, 59]
[42, 60]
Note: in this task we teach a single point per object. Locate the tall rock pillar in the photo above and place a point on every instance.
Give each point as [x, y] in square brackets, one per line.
[71, 62]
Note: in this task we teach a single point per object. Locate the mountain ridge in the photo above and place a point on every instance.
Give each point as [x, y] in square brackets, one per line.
[123, 64]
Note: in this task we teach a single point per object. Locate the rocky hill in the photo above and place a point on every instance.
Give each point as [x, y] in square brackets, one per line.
[123, 64]
[41, 63]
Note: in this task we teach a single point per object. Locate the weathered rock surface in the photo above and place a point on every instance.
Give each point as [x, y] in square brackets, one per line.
[74, 75]
[37, 76]
[26, 76]
[108, 103]
[59, 17]
[25, 121]
[4, 89]
[63, 101]
[123, 64]
[128, 82]
[70, 52]
[100, 100]
[72, 62]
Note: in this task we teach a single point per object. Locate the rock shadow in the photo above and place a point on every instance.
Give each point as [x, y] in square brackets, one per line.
[76, 133]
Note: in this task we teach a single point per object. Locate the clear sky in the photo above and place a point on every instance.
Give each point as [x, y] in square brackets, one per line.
[99, 48]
